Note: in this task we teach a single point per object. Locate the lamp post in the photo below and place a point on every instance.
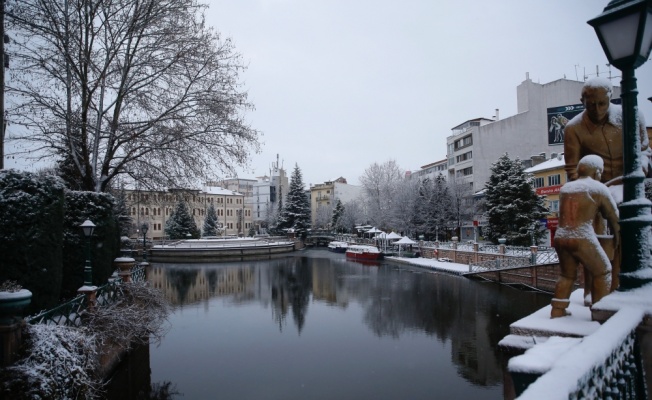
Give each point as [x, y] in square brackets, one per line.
[88, 227]
[144, 228]
[625, 33]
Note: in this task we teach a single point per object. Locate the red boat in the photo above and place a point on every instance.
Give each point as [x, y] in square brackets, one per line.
[362, 252]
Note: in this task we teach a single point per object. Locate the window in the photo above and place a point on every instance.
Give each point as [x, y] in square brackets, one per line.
[553, 205]
[463, 142]
[465, 172]
[554, 180]
[463, 157]
[537, 182]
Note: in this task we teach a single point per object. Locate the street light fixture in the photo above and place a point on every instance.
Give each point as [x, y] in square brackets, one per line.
[144, 228]
[625, 32]
[88, 227]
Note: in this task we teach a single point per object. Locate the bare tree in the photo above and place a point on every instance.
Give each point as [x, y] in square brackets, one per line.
[141, 88]
[323, 216]
[462, 204]
[380, 183]
[405, 210]
[354, 213]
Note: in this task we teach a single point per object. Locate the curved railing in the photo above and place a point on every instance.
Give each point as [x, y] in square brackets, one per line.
[70, 312]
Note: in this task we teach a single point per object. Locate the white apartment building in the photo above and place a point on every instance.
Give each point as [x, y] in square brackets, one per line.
[154, 208]
[542, 111]
[267, 191]
[432, 170]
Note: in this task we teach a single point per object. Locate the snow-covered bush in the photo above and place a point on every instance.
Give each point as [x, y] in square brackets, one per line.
[31, 220]
[60, 362]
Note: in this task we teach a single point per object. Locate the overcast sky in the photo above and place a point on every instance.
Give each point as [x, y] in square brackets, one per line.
[340, 84]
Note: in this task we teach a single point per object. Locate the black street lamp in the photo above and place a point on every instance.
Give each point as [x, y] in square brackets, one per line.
[625, 32]
[144, 228]
[88, 227]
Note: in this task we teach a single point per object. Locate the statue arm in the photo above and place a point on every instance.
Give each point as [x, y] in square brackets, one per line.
[571, 152]
[609, 211]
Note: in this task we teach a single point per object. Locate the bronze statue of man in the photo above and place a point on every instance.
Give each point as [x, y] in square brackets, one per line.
[598, 130]
[576, 241]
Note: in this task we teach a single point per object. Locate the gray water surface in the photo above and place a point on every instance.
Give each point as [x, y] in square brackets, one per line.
[316, 326]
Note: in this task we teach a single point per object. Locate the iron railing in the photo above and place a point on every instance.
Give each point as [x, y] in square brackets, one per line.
[69, 313]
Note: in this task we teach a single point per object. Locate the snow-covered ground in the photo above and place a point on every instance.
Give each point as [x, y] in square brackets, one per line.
[430, 263]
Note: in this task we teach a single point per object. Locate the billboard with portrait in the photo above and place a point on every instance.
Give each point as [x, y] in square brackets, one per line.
[558, 117]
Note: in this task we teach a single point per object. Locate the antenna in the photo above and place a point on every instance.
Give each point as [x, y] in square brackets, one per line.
[576, 77]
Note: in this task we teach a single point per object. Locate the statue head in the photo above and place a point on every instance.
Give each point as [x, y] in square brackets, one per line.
[591, 166]
[596, 95]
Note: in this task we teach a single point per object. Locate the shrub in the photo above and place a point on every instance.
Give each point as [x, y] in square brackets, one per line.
[31, 224]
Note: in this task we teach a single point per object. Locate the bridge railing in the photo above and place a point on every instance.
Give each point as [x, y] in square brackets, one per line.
[604, 365]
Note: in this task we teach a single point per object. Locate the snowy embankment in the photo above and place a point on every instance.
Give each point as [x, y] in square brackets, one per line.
[433, 264]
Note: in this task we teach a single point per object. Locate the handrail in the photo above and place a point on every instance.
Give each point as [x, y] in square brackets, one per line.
[66, 314]
[69, 313]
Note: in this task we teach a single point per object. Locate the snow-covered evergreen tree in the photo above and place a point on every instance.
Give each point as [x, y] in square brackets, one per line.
[181, 223]
[337, 215]
[211, 226]
[296, 212]
[513, 207]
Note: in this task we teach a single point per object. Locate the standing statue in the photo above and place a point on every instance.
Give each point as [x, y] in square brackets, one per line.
[599, 130]
[576, 241]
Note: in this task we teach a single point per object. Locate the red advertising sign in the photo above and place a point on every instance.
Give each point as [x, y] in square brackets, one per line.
[552, 223]
[544, 191]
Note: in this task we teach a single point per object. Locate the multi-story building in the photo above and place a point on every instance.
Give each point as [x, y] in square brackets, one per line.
[268, 191]
[547, 178]
[155, 207]
[324, 196]
[432, 170]
[542, 112]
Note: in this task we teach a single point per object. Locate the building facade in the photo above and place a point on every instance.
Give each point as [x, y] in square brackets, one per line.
[268, 192]
[547, 179]
[324, 196]
[542, 112]
[432, 170]
[154, 208]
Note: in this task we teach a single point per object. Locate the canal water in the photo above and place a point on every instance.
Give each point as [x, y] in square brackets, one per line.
[316, 326]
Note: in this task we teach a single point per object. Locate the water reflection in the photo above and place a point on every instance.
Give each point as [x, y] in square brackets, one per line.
[395, 302]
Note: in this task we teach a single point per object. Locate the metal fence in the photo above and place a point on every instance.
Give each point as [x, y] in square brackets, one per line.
[70, 312]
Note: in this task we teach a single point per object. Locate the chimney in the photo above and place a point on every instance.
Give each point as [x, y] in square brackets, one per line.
[497, 117]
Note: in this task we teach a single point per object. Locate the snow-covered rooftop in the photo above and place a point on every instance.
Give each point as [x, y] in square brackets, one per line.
[553, 163]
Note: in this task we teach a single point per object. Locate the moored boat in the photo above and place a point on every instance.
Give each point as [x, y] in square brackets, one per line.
[338, 247]
[363, 252]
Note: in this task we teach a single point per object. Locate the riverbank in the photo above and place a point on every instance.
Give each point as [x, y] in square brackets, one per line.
[433, 264]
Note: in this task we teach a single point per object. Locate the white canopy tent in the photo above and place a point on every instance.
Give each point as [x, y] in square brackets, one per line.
[404, 241]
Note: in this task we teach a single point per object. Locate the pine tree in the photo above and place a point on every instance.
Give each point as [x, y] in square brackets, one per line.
[513, 205]
[181, 223]
[211, 226]
[337, 215]
[296, 212]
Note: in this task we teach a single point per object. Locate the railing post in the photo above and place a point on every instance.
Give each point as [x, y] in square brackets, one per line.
[124, 265]
[90, 292]
[533, 255]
